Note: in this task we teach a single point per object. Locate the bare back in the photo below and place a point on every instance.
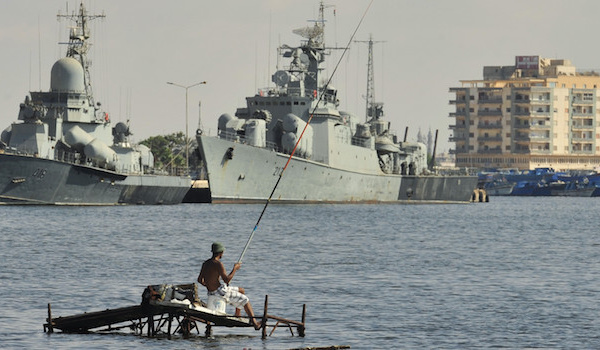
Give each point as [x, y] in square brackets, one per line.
[212, 271]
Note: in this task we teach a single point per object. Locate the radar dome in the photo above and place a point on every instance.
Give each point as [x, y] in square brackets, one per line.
[67, 75]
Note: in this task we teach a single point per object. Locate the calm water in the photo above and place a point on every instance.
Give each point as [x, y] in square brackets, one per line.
[512, 273]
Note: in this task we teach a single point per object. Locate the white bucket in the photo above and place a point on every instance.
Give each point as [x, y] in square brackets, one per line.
[216, 303]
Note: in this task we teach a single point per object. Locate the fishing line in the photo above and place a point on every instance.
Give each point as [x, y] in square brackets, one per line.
[303, 130]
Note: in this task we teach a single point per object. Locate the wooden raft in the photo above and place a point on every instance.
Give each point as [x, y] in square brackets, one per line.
[165, 319]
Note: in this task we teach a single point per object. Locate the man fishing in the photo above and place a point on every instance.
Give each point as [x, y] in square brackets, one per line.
[213, 271]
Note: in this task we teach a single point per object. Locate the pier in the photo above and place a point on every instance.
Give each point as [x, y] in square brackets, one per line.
[167, 315]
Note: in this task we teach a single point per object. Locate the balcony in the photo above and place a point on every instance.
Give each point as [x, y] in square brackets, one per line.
[540, 112]
[531, 151]
[457, 102]
[521, 113]
[458, 127]
[489, 126]
[458, 139]
[458, 114]
[579, 139]
[582, 127]
[539, 138]
[489, 138]
[490, 151]
[489, 113]
[582, 115]
[522, 138]
[522, 126]
[541, 151]
[581, 151]
[540, 126]
[521, 101]
[540, 101]
[583, 102]
[490, 99]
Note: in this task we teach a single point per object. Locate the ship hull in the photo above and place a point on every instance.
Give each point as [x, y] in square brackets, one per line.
[31, 180]
[251, 174]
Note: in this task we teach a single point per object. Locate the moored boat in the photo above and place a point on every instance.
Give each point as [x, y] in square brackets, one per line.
[337, 158]
[64, 150]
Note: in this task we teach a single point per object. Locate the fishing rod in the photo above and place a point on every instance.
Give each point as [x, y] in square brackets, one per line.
[302, 133]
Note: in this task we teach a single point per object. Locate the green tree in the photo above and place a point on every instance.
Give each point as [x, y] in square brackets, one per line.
[168, 150]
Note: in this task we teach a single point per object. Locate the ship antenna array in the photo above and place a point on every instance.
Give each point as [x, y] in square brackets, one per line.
[371, 109]
[78, 44]
[305, 127]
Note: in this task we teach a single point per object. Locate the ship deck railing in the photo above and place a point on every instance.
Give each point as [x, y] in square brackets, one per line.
[235, 137]
[75, 158]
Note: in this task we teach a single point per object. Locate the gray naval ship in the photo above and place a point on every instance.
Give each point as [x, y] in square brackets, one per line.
[64, 149]
[338, 159]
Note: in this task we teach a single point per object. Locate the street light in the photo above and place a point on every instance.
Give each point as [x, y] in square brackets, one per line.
[187, 152]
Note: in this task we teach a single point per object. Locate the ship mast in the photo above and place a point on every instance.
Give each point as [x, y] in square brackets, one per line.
[78, 45]
[373, 109]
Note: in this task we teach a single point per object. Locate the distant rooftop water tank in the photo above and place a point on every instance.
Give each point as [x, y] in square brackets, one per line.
[67, 75]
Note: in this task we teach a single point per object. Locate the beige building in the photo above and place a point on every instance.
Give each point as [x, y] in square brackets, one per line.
[538, 113]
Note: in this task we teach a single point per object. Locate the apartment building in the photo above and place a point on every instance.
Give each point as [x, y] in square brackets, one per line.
[538, 113]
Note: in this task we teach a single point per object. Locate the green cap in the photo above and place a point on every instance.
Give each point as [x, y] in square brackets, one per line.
[217, 247]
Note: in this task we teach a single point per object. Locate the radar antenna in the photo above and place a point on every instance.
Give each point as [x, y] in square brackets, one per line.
[78, 45]
[316, 33]
[309, 32]
[374, 109]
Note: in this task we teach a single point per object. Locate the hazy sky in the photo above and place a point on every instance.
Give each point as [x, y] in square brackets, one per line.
[429, 46]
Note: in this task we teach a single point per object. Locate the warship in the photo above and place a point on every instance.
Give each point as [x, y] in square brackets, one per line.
[64, 149]
[336, 158]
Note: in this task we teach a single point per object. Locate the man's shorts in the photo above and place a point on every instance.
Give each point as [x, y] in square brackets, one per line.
[232, 296]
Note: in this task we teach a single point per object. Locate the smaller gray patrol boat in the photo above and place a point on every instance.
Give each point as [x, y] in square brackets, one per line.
[339, 159]
[65, 151]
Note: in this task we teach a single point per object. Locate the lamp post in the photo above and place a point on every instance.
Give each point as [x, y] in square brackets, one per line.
[187, 152]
